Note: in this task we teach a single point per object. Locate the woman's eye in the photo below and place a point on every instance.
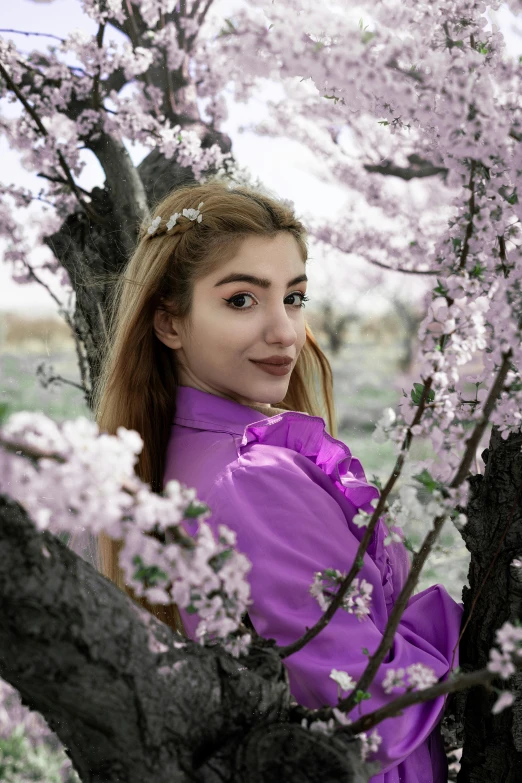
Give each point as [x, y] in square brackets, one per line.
[236, 301]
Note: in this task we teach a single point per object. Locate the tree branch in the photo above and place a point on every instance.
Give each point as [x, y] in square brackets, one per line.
[63, 163]
[112, 681]
[44, 35]
[395, 707]
[420, 168]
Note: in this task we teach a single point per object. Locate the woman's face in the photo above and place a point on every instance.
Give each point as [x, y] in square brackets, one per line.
[258, 321]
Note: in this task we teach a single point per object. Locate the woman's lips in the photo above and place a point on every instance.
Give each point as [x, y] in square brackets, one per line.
[274, 369]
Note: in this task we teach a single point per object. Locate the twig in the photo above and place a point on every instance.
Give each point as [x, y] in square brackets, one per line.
[23, 32]
[418, 561]
[53, 378]
[469, 227]
[395, 707]
[399, 269]
[96, 81]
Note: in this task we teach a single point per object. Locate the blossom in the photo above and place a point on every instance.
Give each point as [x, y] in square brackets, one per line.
[194, 214]
[154, 225]
[500, 663]
[173, 220]
[343, 679]
[369, 743]
[420, 676]
[505, 699]
[394, 679]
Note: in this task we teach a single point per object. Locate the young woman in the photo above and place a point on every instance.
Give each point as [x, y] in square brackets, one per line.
[211, 360]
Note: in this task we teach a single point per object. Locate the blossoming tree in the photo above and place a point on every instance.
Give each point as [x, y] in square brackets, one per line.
[437, 103]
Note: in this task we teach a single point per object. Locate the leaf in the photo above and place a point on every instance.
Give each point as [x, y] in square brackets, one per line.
[408, 544]
[195, 510]
[417, 392]
[149, 575]
[362, 696]
[426, 479]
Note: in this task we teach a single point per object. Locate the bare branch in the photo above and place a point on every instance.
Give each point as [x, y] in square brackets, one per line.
[43, 35]
[420, 168]
[400, 269]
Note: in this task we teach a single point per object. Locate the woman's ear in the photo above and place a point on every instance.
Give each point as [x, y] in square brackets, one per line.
[166, 330]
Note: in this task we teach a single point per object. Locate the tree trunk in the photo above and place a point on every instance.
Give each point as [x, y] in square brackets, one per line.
[493, 535]
[88, 251]
[133, 701]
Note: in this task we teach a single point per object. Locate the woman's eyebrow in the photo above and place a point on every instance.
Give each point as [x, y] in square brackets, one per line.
[262, 282]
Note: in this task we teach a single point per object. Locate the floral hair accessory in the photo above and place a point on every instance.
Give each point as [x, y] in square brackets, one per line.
[191, 214]
[154, 225]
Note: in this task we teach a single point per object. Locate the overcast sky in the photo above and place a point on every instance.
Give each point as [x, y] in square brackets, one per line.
[283, 165]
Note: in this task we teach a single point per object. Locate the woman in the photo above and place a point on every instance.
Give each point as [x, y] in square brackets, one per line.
[212, 362]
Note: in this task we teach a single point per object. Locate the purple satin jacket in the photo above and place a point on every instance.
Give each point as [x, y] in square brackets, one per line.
[290, 491]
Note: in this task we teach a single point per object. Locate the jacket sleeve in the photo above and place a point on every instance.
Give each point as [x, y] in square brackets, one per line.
[289, 527]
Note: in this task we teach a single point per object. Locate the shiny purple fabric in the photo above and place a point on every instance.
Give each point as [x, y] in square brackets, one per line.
[290, 491]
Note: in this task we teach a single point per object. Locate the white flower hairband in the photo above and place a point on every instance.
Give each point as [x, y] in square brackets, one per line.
[191, 214]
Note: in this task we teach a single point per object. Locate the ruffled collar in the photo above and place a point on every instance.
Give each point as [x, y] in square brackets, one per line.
[307, 435]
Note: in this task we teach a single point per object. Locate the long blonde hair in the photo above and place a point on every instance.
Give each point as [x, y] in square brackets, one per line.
[138, 379]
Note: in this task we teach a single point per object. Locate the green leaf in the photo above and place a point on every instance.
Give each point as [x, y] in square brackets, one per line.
[191, 609]
[218, 561]
[376, 481]
[417, 392]
[426, 479]
[365, 651]
[408, 544]
[195, 510]
[330, 572]
[149, 575]
[477, 271]
[362, 696]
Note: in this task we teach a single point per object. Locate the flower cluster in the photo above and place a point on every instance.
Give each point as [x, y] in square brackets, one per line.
[71, 478]
[357, 599]
[418, 677]
[369, 742]
[505, 662]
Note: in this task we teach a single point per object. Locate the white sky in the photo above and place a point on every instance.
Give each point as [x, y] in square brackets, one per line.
[283, 165]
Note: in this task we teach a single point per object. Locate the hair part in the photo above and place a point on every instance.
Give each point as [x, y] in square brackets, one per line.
[139, 376]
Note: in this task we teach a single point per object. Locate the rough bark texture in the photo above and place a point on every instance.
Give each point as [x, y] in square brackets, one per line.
[127, 704]
[90, 252]
[493, 743]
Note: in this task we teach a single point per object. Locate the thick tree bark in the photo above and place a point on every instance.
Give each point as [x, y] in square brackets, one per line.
[493, 743]
[90, 252]
[127, 703]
